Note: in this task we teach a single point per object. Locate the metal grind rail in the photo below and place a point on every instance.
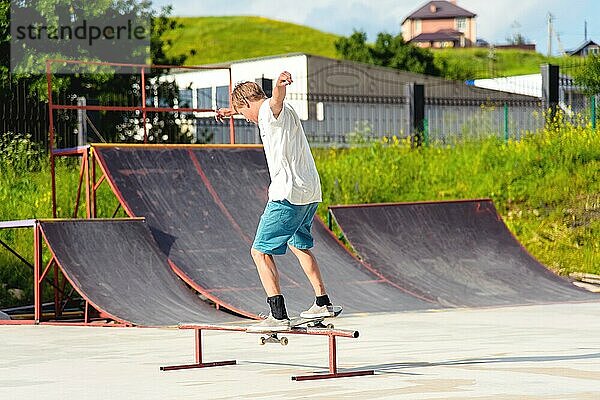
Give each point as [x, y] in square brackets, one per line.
[332, 335]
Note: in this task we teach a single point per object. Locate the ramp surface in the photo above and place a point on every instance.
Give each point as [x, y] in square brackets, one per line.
[116, 265]
[203, 205]
[457, 253]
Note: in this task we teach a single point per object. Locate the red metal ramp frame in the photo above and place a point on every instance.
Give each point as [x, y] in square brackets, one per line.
[143, 108]
[332, 334]
[59, 280]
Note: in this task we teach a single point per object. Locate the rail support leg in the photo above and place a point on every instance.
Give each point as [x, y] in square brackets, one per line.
[198, 357]
[333, 372]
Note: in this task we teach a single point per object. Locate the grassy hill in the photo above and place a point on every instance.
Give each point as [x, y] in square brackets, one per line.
[208, 40]
[479, 62]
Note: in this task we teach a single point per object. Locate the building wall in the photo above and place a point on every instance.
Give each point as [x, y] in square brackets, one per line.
[471, 32]
[591, 49]
[437, 44]
[529, 85]
[271, 68]
[408, 30]
[250, 70]
[434, 25]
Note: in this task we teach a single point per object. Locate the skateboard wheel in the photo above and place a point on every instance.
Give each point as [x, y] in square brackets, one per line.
[263, 340]
[330, 326]
[283, 341]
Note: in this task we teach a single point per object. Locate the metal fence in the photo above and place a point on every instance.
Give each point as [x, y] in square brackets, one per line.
[469, 119]
[333, 120]
[23, 111]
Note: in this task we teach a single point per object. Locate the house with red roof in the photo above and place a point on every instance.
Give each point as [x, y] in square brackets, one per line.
[440, 24]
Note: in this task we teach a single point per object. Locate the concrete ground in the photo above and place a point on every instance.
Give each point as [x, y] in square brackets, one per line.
[533, 352]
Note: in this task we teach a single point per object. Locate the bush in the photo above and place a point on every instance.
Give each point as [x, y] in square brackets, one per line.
[19, 153]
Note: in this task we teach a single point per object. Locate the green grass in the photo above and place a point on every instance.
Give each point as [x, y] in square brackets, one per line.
[219, 39]
[208, 40]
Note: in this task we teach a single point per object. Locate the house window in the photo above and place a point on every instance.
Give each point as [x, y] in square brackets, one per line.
[222, 96]
[184, 100]
[417, 27]
[204, 98]
[461, 24]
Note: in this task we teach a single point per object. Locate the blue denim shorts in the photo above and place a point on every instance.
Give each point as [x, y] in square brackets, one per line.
[284, 223]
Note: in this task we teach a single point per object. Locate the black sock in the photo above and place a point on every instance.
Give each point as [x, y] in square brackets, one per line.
[277, 304]
[323, 301]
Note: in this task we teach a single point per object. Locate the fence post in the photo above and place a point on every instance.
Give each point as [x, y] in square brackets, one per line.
[593, 111]
[415, 93]
[550, 78]
[506, 122]
[426, 131]
[81, 123]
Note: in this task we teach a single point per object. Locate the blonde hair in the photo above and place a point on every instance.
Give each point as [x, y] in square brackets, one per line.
[244, 92]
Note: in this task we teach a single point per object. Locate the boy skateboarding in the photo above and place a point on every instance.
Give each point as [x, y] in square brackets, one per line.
[294, 194]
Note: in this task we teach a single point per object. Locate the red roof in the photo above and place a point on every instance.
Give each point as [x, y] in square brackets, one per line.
[438, 10]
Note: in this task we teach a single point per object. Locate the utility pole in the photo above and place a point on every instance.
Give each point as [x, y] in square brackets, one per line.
[550, 18]
[585, 31]
[561, 49]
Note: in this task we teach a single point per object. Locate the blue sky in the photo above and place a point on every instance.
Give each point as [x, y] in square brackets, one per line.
[496, 20]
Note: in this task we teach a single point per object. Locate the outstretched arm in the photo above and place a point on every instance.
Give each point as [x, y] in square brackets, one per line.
[276, 102]
[222, 113]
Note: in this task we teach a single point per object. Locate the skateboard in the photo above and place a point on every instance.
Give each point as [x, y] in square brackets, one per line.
[317, 322]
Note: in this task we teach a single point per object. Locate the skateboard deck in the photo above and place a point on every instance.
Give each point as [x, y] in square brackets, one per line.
[316, 322]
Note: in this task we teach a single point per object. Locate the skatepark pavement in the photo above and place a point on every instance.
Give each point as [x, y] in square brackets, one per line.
[527, 352]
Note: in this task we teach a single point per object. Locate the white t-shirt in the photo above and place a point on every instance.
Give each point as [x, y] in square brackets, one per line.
[294, 176]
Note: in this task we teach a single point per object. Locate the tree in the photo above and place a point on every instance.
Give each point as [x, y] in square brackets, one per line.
[516, 39]
[354, 47]
[161, 23]
[393, 51]
[388, 51]
[4, 41]
[588, 76]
